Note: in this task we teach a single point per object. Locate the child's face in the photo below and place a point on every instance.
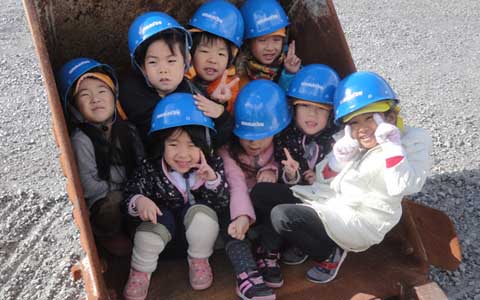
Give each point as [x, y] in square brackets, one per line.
[210, 59]
[266, 49]
[363, 130]
[95, 101]
[180, 152]
[254, 148]
[310, 118]
[163, 68]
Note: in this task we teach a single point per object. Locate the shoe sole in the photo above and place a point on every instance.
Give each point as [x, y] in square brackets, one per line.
[239, 294]
[200, 287]
[294, 263]
[342, 259]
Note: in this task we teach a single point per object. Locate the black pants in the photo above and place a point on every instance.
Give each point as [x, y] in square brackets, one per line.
[283, 219]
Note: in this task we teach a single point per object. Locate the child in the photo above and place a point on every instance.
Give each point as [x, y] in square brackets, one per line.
[261, 111]
[217, 33]
[159, 51]
[266, 32]
[305, 142]
[107, 149]
[309, 138]
[357, 196]
[182, 185]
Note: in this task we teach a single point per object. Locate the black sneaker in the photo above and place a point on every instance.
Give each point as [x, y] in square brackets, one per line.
[250, 286]
[326, 270]
[293, 256]
[267, 263]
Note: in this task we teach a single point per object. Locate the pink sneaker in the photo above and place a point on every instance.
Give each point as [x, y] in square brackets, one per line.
[200, 273]
[137, 285]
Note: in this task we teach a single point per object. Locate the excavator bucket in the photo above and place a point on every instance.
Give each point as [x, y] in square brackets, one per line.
[395, 269]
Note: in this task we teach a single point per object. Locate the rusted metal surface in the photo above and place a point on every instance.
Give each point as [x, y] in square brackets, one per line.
[395, 270]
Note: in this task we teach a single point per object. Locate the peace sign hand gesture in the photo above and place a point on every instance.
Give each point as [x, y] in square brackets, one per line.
[209, 108]
[223, 92]
[290, 166]
[204, 171]
[292, 62]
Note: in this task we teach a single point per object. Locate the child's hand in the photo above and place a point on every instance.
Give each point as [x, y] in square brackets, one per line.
[386, 132]
[239, 227]
[205, 172]
[290, 166]
[266, 176]
[292, 62]
[309, 176]
[147, 209]
[209, 108]
[223, 92]
[346, 147]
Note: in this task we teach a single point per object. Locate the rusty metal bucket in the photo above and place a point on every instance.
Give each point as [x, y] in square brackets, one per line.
[395, 269]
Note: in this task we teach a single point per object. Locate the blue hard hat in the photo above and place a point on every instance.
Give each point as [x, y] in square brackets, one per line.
[261, 110]
[178, 109]
[358, 90]
[221, 18]
[263, 17]
[74, 69]
[147, 25]
[315, 83]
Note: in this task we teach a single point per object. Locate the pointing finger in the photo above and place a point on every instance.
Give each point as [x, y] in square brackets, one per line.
[378, 119]
[233, 82]
[287, 154]
[224, 78]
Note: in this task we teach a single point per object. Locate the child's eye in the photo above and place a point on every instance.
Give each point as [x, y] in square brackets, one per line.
[151, 62]
[203, 51]
[222, 54]
[277, 39]
[172, 61]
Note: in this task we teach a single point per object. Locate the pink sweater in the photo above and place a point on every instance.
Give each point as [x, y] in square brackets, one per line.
[240, 184]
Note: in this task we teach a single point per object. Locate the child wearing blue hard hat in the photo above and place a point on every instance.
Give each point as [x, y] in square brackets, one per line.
[261, 111]
[304, 143]
[106, 148]
[356, 198]
[266, 33]
[217, 34]
[179, 193]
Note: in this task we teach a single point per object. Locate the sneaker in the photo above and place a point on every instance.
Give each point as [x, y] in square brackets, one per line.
[293, 256]
[200, 273]
[267, 263]
[326, 270]
[250, 286]
[137, 285]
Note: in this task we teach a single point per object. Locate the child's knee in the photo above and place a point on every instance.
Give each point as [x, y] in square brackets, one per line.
[150, 240]
[202, 229]
[200, 213]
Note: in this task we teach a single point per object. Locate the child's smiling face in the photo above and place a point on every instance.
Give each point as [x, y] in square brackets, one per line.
[311, 118]
[266, 49]
[180, 152]
[363, 130]
[95, 101]
[210, 59]
[164, 68]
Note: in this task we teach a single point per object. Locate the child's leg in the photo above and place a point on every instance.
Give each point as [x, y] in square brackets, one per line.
[265, 196]
[107, 223]
[250, 284]
[301, 225]
[150, 240]
[201, 224]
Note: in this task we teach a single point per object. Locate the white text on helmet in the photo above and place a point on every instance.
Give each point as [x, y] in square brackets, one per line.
[168, 113]
[349, 95]
[270, 18]
[312, 85]
[148, 26]
[212, 17]
[78, 66]
[252, 124]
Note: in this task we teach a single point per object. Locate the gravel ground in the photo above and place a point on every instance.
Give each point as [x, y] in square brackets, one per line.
[428, 50]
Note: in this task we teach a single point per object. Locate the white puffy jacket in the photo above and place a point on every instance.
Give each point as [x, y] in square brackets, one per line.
[363, 202]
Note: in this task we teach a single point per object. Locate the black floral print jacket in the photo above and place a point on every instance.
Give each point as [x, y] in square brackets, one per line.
[303, 148]
[151, 181]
